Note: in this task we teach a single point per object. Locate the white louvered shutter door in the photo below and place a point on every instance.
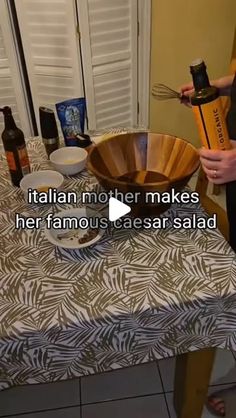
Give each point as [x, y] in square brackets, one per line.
[11, 87]
[109, 43]
[51, 47]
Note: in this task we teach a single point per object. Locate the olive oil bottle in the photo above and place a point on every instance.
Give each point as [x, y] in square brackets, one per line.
[15, 148]
[208, 111]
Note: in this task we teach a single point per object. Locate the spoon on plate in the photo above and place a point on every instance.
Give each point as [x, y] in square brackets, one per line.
[74, 232]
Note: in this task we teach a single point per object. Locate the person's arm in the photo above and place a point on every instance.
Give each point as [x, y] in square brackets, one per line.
[223, 84]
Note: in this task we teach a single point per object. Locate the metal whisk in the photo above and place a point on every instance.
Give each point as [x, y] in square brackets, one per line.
[162, 92]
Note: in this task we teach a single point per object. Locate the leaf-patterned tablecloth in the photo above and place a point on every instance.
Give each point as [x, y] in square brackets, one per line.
[134, 297]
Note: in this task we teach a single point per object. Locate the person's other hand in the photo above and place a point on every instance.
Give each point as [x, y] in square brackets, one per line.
[186, 91]
[219, 166]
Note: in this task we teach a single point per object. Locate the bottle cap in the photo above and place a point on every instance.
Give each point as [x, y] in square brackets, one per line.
[6, 110]
[83, 140]
[197, 61]
[196, 64]
[48, 123]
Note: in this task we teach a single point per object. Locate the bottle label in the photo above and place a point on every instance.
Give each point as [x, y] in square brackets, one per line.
[211, 124]
[24, 159]
[11, 160]
[50, 141]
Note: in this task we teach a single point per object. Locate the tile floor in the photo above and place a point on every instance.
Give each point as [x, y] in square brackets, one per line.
[144, 391]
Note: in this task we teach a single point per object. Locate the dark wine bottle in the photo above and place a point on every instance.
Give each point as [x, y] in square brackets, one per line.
[14, 145]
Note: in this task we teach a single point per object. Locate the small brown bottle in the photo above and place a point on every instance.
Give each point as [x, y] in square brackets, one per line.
[208, 110]
[14, 145]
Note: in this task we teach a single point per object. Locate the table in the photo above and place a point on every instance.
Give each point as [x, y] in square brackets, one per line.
[135, 297]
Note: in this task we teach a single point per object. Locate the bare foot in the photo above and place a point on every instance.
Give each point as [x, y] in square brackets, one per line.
[216, 405]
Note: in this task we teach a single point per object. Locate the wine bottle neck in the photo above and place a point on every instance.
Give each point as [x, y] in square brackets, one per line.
[9, 122]
[200, 80]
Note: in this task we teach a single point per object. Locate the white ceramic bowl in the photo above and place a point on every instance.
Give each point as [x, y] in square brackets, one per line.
[72, 242]
[41, 179]
[69, 160]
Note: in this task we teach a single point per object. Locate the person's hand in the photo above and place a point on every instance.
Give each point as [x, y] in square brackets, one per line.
[223, 84]
[219, 166]
[186, 91]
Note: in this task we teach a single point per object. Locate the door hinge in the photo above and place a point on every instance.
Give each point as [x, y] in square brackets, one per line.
[138, 108]
[138, 28]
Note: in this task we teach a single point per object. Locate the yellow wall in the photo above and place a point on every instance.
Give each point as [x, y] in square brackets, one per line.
[183, 30]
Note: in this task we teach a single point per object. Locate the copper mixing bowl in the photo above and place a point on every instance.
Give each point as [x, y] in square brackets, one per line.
[143, 162]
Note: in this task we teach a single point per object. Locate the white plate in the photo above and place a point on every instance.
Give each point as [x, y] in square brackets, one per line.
[52, 234]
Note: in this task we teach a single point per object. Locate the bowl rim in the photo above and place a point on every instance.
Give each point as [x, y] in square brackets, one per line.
[161, 183]
[68, 164]
[59, 175]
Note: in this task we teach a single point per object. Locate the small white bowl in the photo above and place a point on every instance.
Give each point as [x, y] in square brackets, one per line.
[69, 160]
[41, 179]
